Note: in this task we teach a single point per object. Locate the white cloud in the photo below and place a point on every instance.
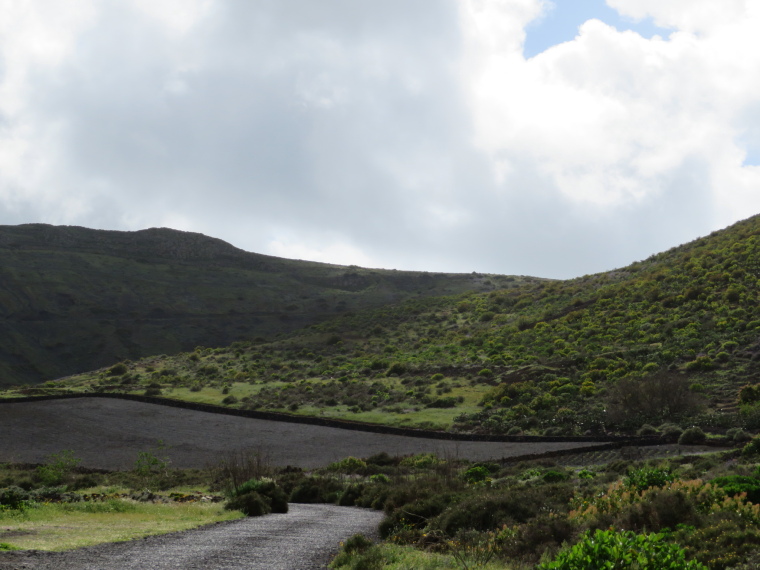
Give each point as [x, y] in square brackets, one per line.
[687, 15]
[610, 116]
[295, 247]
[395, 134]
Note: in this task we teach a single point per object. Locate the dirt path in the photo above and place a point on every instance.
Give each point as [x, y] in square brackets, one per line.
[108, 434]
[303, 539]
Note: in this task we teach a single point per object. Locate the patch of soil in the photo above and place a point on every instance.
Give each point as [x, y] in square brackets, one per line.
[108, 434]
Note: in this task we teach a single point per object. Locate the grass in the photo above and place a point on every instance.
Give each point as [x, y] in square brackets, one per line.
[67, 526]
[398, 557]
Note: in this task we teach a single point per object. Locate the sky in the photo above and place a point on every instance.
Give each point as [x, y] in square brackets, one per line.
[528, 137]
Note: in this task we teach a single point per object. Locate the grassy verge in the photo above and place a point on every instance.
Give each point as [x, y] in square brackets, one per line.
[396, 557]
[68, 526]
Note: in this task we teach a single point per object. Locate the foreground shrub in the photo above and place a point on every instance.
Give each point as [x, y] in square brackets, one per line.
[268, 489]
[725, 540]
[317, 490]
[250, 504]
[607, 549]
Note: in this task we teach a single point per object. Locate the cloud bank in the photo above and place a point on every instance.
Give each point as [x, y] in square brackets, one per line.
[395, 134]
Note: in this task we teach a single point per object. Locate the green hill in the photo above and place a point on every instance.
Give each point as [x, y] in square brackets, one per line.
[669, 339]
[73, 299]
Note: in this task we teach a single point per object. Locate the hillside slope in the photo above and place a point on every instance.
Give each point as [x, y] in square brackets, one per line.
[669, 339]
[73, 299]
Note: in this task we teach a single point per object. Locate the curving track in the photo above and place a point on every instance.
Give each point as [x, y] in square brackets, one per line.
[303, 539]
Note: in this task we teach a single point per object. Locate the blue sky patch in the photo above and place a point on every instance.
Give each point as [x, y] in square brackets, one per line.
[560, 24]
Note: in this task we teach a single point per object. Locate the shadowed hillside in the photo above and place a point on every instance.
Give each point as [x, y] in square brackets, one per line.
[73, 299]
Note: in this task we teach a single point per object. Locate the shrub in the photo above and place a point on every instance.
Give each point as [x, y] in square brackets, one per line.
[14, 498]
[645, 478]
[118, 369]
[380, 478]
[59, 467]
[267, 490]
[476, 474]
[350, 495]
[607, 549]
[316, 490]
[381, 459]
[647, 429]
[692, 436]
[670, 432]
[250, 504]
[633, 401]
[348, 465]
[735, 484]
[554, 476]
[237, 467]
[421, 460]
[358, 553]
[752, 448]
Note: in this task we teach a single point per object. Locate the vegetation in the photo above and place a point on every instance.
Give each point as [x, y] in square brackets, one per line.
[663, 345]
[677, 514]
[683, 513]
[136, 294]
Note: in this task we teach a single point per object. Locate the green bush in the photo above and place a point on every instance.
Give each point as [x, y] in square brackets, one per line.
[554, 476]
[14, 498]
[647, 477]
[736, 484]
[250, 504]
[358, 553]
[692, 436]
[752, 448]
[610, 550]
[317, 490]
[476, 474]
[118, 369]
[380, 478]
[647, 429]
[268, 490]
[58, 469]
[348, 465]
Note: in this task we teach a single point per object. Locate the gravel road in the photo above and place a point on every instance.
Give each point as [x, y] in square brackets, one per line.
[303, 539]
[108, 434]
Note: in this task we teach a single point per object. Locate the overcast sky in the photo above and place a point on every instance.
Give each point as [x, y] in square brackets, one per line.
[527, 137]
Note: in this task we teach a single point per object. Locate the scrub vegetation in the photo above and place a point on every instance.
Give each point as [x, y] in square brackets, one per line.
[660, 346]
[681, 513]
